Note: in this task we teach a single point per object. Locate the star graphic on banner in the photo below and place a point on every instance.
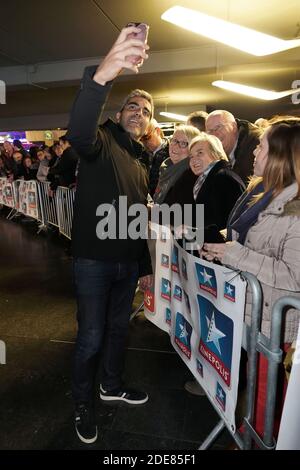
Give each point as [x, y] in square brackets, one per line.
[220, 393]
[183, 333]
[206, 277]
[214, 335]
[229, 290]
[167, 287]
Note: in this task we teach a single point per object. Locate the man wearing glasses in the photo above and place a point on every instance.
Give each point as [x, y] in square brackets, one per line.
[107, 268]
[239, 139]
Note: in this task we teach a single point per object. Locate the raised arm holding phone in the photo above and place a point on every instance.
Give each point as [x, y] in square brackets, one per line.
[122, 55]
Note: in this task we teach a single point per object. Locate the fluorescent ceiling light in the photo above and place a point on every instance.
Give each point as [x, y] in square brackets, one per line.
[252, 91]
[233, 35]
[178, 117]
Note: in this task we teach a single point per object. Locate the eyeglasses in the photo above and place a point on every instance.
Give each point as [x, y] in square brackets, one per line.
[215, 129]
[181, 143]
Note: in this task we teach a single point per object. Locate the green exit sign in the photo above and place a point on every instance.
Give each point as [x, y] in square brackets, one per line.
[48, 135]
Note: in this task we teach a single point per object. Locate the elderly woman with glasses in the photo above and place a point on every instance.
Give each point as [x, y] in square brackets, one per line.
[177, 163]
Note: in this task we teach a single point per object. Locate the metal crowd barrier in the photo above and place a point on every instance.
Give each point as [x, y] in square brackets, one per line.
[64, 205]
[255, 342]
[48, 205]
[32, 199]
[16, 187]
[274, 353]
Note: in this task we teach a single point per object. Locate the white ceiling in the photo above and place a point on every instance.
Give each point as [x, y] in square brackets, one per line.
[49, 43]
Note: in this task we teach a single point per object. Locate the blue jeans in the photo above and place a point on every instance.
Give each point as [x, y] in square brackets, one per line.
[105, 292]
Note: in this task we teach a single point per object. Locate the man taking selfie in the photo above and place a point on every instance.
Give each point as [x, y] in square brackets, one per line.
[106, 268]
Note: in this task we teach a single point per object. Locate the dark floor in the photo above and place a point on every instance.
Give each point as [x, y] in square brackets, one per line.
[37, 324]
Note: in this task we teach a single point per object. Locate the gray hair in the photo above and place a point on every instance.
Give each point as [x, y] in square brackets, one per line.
[214, 144]
[189, 131]
[141, 93]
[225, 115]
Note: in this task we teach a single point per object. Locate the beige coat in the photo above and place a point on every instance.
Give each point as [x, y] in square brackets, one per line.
[272, 253]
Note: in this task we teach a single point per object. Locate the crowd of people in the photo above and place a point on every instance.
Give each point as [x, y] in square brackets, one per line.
[57, 164]
[247, 176]
[210, 160]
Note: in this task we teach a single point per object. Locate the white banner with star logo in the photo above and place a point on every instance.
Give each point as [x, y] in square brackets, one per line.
[201, 305]
[28, 198]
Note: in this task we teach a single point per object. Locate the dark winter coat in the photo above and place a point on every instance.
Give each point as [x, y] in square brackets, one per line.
[108, 168]
[218, 193]
[248, 139]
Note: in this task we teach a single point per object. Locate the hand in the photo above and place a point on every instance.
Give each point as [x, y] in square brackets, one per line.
[213, 251]
[146, 282]
[180, 231]
[204, 254]
[116, 59]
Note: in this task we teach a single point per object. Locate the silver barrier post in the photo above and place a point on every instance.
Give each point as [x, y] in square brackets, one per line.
[276, 326]
[15, 190]
[41, 206]
[59, 203]
[64, 205]
[213, 435]
[252, 356]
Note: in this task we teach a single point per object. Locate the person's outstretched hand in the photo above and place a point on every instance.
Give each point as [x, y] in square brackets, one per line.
[117, 58]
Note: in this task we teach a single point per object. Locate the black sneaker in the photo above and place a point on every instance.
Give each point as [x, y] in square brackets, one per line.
[85, 426]
[127, 395]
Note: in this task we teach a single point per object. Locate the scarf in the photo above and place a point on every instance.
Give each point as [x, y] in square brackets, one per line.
[169, 174]
[201, 178]
[243, 216]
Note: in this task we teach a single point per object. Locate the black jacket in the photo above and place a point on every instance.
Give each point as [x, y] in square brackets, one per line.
[29, 174]
[248, 139]
[62, 173]
[108, 168]
[219, 193]
[160, 156]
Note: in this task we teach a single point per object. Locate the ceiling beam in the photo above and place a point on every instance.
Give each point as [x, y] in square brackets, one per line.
[201, 58]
